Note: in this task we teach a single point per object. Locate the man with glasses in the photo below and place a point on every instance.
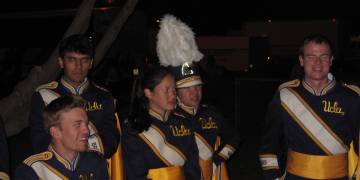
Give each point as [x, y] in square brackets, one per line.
[315, 118]
[76, 59]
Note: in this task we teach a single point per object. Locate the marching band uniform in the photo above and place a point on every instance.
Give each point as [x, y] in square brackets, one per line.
[317, 131]
[167, 150]
[215, 139]
[216, 142]
[4, 160]
[104, 137]
[50, 165]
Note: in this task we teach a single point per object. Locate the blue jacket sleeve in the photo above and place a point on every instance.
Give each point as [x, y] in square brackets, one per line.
[24, 172]
[4, 155]
[106, 126]
[134, 161]
[39, 137]
[272, 143]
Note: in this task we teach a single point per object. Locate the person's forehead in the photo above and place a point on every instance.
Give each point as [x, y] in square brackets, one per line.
[73, 115]
[190, 87]
[313, 46]
[76, 54]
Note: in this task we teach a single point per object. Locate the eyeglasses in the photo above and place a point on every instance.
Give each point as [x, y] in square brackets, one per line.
[322, 58]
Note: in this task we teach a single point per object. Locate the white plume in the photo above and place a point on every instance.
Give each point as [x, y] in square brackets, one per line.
[176, 43]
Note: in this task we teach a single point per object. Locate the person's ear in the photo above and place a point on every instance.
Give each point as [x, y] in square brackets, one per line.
[61, 62]
[54, 132]
[331, 60]
[148, 93]
[91, 63]
[301, 60]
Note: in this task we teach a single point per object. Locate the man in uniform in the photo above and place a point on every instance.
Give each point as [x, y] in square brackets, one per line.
[4, 160]
[66, 121]
[76, 58]
[315, 118]
[215, 139]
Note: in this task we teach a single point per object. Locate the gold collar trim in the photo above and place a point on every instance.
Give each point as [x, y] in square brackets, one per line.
[68, 165]
[158, 116]
[325, 90]
[75, 90]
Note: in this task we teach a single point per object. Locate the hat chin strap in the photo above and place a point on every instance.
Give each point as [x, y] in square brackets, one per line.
[188, 109]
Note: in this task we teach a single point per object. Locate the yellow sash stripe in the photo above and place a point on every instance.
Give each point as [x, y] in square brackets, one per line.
[166, 173]
[221, 172]
[317, 167]
[116, 166]
[206, 168]
[353, 160]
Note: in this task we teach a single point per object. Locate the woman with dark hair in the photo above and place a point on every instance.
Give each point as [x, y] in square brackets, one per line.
[157, 143]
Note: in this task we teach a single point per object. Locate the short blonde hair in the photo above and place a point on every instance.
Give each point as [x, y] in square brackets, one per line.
[60, 105]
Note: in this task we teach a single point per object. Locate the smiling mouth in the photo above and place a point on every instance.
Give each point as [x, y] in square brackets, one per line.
[84, 139]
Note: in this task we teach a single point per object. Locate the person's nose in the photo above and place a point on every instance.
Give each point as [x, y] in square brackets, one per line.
[78, 64]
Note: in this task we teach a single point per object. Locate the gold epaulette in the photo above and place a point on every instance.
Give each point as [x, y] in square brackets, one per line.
[178, 114]
[102, 88]
[4, 176]
[51, 85]
[38, 157]
[293, 83]
[353, 87]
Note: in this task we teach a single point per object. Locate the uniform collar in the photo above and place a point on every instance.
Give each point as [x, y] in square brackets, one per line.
[325, 90]
[75, 90]
[190, 110]
[158, 116]
[71, 166]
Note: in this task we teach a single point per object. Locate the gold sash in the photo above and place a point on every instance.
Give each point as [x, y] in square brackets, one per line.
[115, 163]
[206, 168]
[167, 173]
[317, 167]
[221, 172]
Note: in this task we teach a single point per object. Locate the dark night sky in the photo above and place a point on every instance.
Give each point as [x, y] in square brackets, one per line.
[225, 12]
[205, 17]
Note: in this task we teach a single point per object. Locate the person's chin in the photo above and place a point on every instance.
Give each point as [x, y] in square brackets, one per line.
[83, 148]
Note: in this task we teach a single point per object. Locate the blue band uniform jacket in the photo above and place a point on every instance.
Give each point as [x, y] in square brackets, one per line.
[104, 137]
[4, 154]
[308, 135]
[213, 133]
[141, 157]
[50, 165]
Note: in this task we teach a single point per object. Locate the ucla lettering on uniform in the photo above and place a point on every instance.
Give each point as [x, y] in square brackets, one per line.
[94, 145]
[208, 123]
[89, 176]
[180, 131]
[94, 106]
[332, 107]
